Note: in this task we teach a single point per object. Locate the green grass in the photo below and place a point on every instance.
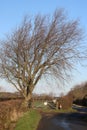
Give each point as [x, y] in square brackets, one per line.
[38, 104]
[29, 121]
[59, 111]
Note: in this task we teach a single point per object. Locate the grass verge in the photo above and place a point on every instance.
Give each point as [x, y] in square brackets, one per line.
[29, 121]
[59, 111]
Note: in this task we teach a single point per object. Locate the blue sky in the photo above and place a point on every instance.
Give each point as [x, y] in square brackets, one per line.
[13, 11]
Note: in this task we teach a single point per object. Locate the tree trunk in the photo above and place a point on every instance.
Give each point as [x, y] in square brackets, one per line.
[28, 101]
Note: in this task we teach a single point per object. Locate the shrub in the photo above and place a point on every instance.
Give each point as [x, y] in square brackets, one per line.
[10, 111]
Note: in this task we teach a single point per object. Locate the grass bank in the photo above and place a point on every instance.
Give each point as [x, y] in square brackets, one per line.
[59, 110]
[29, 121]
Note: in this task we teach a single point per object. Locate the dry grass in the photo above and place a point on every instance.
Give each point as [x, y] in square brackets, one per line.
[10, 111]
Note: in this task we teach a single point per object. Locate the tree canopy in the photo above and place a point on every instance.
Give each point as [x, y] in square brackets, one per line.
[44, 45]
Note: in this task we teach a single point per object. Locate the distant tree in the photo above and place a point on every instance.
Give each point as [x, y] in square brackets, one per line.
[44, 45]
[61, 94]
[2, 89]
[78, 92]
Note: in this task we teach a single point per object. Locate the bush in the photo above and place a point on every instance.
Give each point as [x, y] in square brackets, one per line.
[10, 111]
[66, 101]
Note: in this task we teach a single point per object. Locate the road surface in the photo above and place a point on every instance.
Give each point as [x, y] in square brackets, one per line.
[68, 121]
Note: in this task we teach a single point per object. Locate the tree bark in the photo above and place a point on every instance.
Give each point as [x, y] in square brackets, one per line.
[28, 101]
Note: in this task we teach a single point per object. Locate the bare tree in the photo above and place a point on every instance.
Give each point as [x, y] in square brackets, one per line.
[2, 89]
[45, 45]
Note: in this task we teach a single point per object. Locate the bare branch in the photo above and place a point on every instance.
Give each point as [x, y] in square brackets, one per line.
[44, 45]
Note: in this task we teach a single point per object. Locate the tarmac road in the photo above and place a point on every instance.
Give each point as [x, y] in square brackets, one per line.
[68, 121]
[79, 108]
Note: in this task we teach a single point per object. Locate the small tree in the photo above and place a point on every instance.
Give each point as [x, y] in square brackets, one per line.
[46, 45]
